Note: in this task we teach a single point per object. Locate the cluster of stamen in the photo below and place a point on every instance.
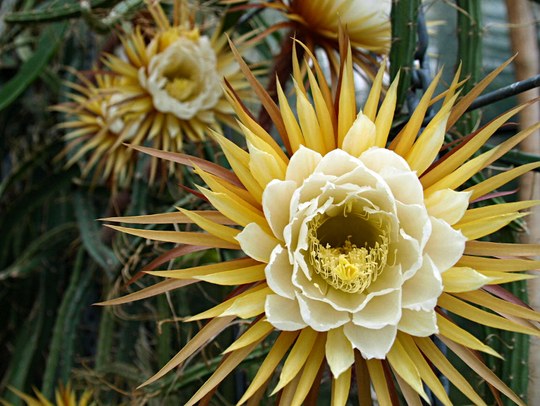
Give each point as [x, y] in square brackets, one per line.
[347, 267]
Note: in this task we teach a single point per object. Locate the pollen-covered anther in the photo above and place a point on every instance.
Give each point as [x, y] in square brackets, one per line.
[347, 267]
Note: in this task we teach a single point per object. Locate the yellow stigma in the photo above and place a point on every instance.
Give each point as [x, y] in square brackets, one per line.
[347, 267]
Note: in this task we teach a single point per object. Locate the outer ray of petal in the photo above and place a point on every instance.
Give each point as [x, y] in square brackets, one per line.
[296, 138]
[466, 100]
[209, 331]
[263, 166]
[225, 233]
[483, 298]
[467, 170]
[323, 114]
[497, 249]
[448, 205]
[497, 209]
[264, 146]
[499, 278]
[179, 237]
[279, 348]
[190, 273]
[469, 312]
[297, 357]
[256, 332]
[463, 337]
[463, 279]
[218, 310]
[170, 218]
[425, 370]
[239, 160]
[404, 367]
[221, 186]
[405, 139]
[497, 181]
[481, 369]
[235, 277]
[340, 388]
[309, 123]
[310, 371]
[474, 230]
[383, 122]
[229, 363]
[378, 378]
[442, 176]
[235, 209]
[347, 99]
[496, 264]
[372, 102]
[250, 305]
[441, 362]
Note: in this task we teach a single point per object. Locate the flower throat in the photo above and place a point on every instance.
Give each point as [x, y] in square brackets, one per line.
[345, 265]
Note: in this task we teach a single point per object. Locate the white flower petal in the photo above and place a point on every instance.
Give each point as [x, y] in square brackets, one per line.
[405, 186]
[283, 314]
[448, 205]
[256, 243]
[320, 316]
[380, 311]
[418, 323]
[445, 246]
[422, 290]
[302, 164]
[339, 352]
[276, 200]
[414, 220]
[381, 160]
[337, 163]
[370, 342]
[279, 273]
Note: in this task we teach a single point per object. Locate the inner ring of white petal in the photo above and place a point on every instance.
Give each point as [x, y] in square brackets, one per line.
[349, 250]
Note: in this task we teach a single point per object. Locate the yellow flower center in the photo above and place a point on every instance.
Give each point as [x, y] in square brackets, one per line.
[181, 88]
[345, 263]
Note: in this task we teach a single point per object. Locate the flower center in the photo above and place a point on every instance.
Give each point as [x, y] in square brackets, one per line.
[349, 252]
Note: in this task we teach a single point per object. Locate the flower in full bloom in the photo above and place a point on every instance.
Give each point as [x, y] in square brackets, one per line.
[163, 88]
[358, 249]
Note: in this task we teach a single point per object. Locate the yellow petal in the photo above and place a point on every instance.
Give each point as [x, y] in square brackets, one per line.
[497, 209]
[340, 388]
[225, 233]
[153, 290]
[463, 337]
[447, 205]
[279, 348]
[179, 237]
[310, 371]
[383, 122]
[499, 278]
[347, 99]
[469, 312]
[309, 122]
[372, 102]
[190, 273]
[403, 366]
[480, 228]
[236, 276]
[378, 378]
[463, 279]
[499, 305]
[229, 363]
[360, 137]
[501, 249]
[209, 331]
[256, 332]
[481, 369]
[170, 218]
[426, 373]
[294, 132]
[250, 305]
[297, 357]
[440, 361]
